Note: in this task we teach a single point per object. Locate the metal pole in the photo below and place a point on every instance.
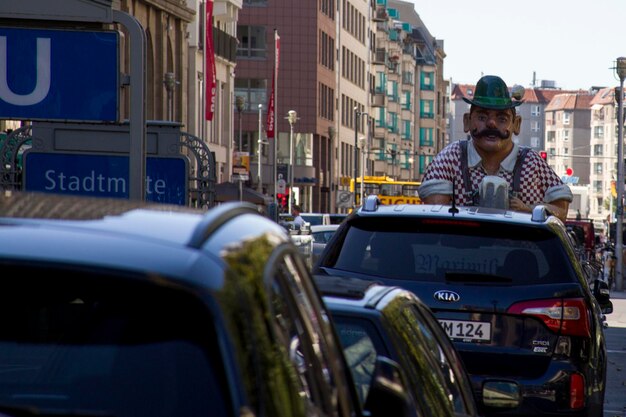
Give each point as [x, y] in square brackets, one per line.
[362, 170]
[356, 152]
[260, 143]
[619, 280]
[290, 164]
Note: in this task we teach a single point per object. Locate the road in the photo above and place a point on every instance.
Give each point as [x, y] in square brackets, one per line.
[615, 398]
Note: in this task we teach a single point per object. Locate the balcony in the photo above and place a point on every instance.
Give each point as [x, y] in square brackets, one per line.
[378, 100]
[380, 56]
[381, 14]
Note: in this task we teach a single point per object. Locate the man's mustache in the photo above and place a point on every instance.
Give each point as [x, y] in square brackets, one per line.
[490, 132]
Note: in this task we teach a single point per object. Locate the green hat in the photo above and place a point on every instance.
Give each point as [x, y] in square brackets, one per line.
[492, 93]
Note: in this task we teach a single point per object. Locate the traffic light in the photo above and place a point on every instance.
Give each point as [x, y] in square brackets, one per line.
[282, 199]
[543, 155]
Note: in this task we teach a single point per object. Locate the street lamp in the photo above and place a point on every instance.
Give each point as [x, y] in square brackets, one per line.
[259, 186]
[362, 144]
[240, 104]
[292, 117]
[169, 81]
[357, 114]
[621, 73]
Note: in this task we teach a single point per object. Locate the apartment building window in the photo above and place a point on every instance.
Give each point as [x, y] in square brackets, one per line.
[423, 162]
[392, 91]
[381, 82]
[597, 186]
[253, 90]
[552, 151]
[327, 51]
[550, 136]
[534, 142]
[597, 167]
[327, 7]
[392, 122]
[597, 150]
[566, 117]
[406, 130]
[565, 151]
[598, 132]
[565, 134]
[535, 110]
[534, 126]
[381, 119]
[427, 81]
[427, 109]
[251, 42]
[426, 136]
[326, 102]
[406, 100]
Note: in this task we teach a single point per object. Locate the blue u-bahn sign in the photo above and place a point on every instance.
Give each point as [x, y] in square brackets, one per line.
[104, 175]
[59, 75]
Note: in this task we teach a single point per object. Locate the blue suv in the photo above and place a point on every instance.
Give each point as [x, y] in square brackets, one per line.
[128, 309]
[507, 288]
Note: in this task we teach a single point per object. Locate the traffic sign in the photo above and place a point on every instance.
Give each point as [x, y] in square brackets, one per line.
[54, 74]
[344, 199]
[104, 175]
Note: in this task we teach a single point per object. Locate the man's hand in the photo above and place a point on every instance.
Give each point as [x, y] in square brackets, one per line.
[558, 208]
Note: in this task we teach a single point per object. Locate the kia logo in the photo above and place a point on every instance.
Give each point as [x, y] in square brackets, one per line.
[446, 296]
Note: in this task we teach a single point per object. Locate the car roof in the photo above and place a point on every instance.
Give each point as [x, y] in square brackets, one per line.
[323, 227]
[540, 215]
[354, 292]
[125, 235]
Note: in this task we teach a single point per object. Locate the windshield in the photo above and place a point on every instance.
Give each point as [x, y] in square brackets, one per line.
[105, 347]
[425, 250]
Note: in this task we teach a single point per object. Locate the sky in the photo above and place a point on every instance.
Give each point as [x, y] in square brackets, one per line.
[574, 43]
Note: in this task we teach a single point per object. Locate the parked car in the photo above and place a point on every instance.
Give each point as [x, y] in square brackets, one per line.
[321, 235]
[125, 308]
[315, 219]
[373, 319]
[506, 287]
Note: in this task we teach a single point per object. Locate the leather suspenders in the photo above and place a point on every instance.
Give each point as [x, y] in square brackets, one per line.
[467, 181]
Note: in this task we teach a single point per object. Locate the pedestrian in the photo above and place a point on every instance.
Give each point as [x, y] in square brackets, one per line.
[297, 218]
[490, 151]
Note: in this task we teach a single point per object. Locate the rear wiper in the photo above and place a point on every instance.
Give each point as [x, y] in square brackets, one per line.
[477, 277]
[31, 411]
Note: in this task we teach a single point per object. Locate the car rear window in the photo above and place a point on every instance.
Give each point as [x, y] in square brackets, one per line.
[434, 250]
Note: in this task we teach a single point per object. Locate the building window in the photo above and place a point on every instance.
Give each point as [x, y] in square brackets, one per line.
[426, 81]
[566, 117]
[426, 136]
[597, 150]
[597, 167]
[251, 42]
[566, 135]
[535, 110]
[598, 132]
[597, 186]
[253, 90]
[534, 126]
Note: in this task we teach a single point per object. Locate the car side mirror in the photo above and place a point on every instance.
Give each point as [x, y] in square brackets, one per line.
[602, 294]
[388, 395]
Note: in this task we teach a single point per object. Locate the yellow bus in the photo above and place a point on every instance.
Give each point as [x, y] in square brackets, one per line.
[388, 190]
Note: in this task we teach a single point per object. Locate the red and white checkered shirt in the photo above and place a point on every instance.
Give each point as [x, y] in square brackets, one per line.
[538, 182]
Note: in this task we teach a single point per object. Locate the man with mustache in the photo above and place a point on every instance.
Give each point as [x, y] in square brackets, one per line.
[492, 121]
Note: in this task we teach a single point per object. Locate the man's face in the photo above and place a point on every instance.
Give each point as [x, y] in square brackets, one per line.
[492, 130]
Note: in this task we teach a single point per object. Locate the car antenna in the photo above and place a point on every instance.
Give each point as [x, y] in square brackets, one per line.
[453, 209]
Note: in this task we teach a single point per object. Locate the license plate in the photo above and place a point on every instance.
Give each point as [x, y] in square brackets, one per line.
[467, 331]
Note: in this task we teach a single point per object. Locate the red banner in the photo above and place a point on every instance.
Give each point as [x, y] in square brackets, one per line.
[210, 81]
[271, 105]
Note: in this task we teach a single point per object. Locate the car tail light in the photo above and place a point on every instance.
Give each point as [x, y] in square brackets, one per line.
[576, 391]
[568, 315]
